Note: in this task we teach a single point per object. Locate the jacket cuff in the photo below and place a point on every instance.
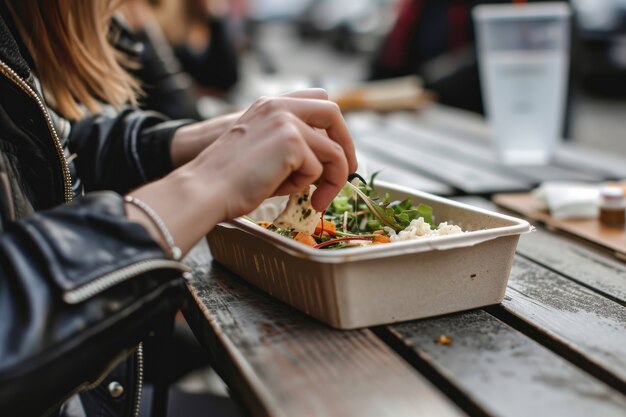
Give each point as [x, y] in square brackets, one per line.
[87, 239]
[155, 144]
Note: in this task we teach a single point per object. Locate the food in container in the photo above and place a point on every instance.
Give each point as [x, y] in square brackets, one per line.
[357, 216]
[372, 285]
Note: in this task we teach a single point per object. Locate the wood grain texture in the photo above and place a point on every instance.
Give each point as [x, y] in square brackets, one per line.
[572, 315]
[479, 153]
[609, 165]
[371, 163]
[281, 363]
[472, 129]
[402, 148]
[467, 177]
[577, 261]
[505, 372]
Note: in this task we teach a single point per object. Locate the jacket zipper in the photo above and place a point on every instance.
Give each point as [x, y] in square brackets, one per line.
[104, 282]
[86, 386]
[139, 383]
[89, 290]
[23, 85]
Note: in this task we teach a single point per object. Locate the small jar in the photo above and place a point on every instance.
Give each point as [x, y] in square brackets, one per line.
[612, 207]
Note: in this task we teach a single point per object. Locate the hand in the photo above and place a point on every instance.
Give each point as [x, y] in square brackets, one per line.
[278, 146]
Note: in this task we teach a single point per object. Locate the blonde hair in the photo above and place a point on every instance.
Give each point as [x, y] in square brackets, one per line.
[75, 62]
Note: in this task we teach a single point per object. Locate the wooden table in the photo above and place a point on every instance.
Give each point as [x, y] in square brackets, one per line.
[448, 152]
[556, 346]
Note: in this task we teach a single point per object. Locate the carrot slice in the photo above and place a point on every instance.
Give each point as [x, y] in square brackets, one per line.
[328, 227]
[381, 239]
[305, 238]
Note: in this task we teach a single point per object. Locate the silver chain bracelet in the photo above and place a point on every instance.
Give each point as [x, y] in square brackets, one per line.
[175, 252]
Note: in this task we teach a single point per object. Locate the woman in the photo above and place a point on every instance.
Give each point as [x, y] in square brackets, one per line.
[200, 35]
[174, 69]
[84, 272]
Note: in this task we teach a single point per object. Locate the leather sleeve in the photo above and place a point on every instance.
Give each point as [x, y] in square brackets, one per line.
[121, 150]
[167, 89]
[49, 346]
[217, 66]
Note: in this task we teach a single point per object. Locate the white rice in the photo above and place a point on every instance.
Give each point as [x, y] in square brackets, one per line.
[419, 228]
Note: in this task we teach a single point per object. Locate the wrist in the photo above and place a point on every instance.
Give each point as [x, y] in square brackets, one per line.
[164, 234]
[190, 140]
[187, 206]
[135, 214]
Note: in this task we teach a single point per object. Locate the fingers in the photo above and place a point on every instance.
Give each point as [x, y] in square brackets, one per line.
[322, 114]
[326, 115]
[312, 139]
[333, 170]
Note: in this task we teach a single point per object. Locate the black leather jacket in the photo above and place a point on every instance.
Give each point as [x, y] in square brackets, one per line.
[80, 284]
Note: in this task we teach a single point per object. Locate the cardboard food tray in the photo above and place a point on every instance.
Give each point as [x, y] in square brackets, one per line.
[373, 285]
[613, 239]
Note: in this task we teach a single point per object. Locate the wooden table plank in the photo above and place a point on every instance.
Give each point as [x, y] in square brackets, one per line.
[472, 129]
[505, 372]
[468, 178]
[610, 166]
[398, 175]
[375, 135]
[480, 153]
[281, 363]
[450, 121]
[577, 261]
[574, 319]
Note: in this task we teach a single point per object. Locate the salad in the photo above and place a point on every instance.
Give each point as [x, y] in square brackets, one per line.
[356, 217]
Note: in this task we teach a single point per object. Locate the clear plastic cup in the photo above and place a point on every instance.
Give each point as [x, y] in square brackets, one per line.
[523, 54]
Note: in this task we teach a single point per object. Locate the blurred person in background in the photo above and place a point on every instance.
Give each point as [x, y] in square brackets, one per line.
[99, 201]
[202, 37]
[183, 48]
[435, 40]
[166, 87]
[601, 47]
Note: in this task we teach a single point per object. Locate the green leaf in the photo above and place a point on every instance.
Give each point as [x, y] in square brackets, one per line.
[341, 204]
[426, 212]
[381, 213]
[406, 216]
[372, 179]
[405, 204]
[374, 225]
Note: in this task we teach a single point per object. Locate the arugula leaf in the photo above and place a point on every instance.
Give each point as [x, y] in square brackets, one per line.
[372, 187]
[381, 213]
[426, 212]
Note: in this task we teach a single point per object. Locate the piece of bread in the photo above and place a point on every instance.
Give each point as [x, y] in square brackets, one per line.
[299, 214]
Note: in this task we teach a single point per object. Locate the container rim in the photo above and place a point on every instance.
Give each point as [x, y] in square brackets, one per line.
[470, 238]
[548, 10]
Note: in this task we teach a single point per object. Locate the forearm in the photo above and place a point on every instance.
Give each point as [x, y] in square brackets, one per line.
[192, 207]
[190, 140]
[121, 150]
